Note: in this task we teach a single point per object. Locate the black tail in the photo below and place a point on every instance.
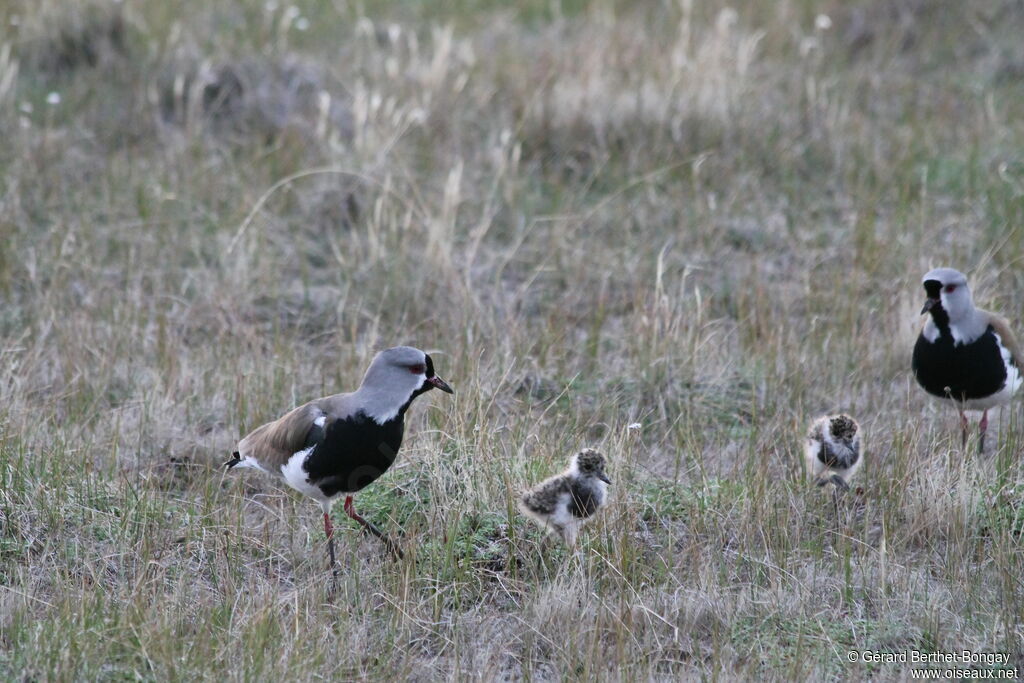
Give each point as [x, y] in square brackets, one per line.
[233, 461]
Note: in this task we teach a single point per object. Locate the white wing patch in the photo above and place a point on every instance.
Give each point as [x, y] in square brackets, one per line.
[296, 476]
[1013, 376]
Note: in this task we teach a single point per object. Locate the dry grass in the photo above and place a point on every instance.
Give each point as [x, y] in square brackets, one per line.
[707, 221]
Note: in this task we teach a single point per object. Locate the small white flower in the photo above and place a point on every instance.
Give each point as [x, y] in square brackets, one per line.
[726, 18]
[822, 22]
[634, 426]
[364, 27]
[302, 24]
[53, 99]
[417, 116]
[26, 107]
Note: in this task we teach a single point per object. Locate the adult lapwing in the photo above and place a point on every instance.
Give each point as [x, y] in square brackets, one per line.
[337, 445]
[964, 354]
[563, 503]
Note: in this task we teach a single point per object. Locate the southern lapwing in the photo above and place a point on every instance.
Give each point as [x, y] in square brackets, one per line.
[832, 449]
[964, 354]
[563, 503]
[339, 444]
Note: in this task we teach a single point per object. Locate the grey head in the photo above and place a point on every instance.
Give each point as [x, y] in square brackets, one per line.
[589, 463]
[395, 377]
[951, 307]
[948, 294]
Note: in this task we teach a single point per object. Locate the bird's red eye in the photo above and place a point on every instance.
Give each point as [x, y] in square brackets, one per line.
[417, 369]
[950, 289]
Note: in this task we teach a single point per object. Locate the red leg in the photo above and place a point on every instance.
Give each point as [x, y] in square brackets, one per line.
[982, 428]
[329, 530]
[350, 510]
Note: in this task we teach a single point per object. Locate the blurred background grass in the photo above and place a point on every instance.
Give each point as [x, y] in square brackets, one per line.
[707, 221]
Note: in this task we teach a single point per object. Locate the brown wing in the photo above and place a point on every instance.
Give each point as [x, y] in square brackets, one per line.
[543, 497]
[1002, 328]
[273, 443]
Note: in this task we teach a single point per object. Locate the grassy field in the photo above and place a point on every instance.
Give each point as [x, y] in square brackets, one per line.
[674, 231]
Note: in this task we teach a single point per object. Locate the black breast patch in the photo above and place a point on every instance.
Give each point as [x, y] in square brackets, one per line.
[351, 453]
[583, 500]
[837, 458]
[960, 372]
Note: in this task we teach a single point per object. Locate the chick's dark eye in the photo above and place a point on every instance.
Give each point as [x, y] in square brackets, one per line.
[417, 369]
[950, 289]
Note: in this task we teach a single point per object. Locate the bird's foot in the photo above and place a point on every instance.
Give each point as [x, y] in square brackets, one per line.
[982, 428]
[392, 547]
[839, 483]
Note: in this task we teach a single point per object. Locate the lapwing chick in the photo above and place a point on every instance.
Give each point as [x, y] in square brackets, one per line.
[964, 354]
[563, 503]
[832, 449]
[338, 445]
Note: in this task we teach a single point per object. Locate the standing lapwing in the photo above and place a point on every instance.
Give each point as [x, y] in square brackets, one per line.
[338, 445]
[563, 503]
[832, 449]
[964, 354]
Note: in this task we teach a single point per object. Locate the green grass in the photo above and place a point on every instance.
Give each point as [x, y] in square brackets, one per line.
[675, 232]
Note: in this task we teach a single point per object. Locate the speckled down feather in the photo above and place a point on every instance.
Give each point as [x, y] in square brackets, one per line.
[561, 504]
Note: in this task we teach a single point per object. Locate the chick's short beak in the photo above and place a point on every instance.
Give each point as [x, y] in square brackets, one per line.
[440, 384]
[928, 305]
[604, 477]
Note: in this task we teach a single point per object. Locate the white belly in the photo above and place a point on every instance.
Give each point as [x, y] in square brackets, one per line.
[1000, 398]
[296, 477]
[562, 516]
